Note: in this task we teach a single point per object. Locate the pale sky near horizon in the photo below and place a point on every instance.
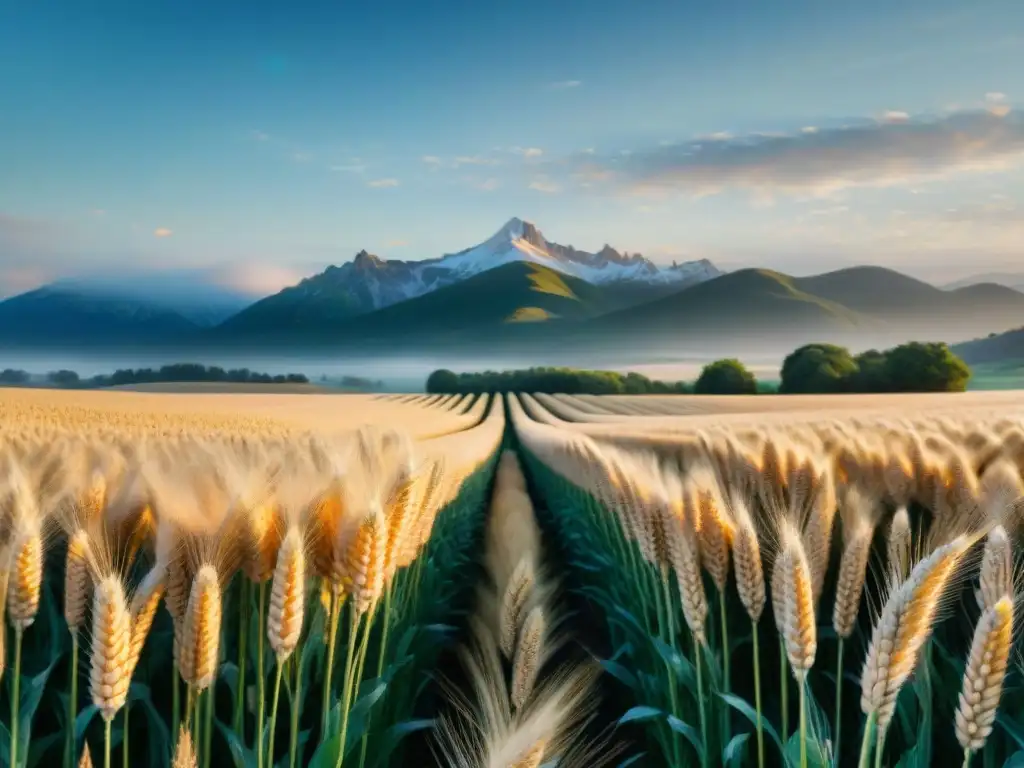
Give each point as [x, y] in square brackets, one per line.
[792, 134]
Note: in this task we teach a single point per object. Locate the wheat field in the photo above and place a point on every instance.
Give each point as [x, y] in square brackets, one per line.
[510, 581]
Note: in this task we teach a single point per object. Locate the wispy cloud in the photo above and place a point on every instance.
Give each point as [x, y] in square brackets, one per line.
[255, 279]
[383, 183]
[544, 184]
[432, 160]
[528, 152]
[259, 136]
[353, 166]
[397, 243]
[870, 154]
[895, 116]
[487, 185]
[162, 232]
[561, 85]
[474, 160]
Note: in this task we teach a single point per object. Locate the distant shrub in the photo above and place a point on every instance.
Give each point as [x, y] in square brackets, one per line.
[13, 376]
[725, 377]
[923, 367]
[63, 378]
[912, 367]
[443, 381]
[817, 369]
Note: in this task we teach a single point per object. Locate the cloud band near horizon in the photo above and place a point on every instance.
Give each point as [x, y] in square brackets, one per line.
[880, 153]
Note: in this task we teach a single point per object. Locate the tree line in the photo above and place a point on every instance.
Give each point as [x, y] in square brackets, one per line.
[811, 369]
[551, 380]
[175, 373]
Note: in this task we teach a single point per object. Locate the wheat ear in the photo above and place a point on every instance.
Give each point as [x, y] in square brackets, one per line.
[983, 677]
[746, 554]
[201, 637]
[514, 603]
[27, 577]
[184, 752]
[143, 609]
[798, 626]
[904, 625]
[365, 561]
[996, 576]
[77, 580]
[898, 545]
[110, 672]
[287, 596]
[85, 761]
[528, 657]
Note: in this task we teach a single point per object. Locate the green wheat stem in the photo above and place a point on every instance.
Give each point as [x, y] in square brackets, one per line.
[175, 700]
[273, 711]
[364, 646]
[865, 745]
[381, 652]
[837, 736]
[197, 723]
[700, 700]
[106, 745]
[967, 757]
[879, 749]
[725, 663]
[260, 686]
[16, 696]
[208, 726]
[757, 697]
[293, 740]
[346, 693]
[332, 642]
[802, 686]
[124, 740]
[784, 686]
[72, 701]
[243, 643]
[672, 685]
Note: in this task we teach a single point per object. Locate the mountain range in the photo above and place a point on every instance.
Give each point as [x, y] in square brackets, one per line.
[517, 291]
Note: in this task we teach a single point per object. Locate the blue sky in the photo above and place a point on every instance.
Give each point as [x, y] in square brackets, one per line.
[258, 142]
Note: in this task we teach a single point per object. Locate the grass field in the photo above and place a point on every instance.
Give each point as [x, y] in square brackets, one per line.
[1000, 376]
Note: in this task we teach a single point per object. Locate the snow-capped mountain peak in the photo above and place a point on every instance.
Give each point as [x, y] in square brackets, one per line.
[520, 240]
[369, 282]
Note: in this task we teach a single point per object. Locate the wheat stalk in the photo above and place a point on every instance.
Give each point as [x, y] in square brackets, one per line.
[904, 625]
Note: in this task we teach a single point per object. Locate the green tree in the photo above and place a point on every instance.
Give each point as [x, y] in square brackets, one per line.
[725, 377]
[925, 367]
[872, 375]
[817, 369]
[443, 381]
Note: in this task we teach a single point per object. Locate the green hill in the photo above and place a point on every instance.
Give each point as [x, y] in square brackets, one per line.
[510, 301]
[748, 301]
[997, 348]
[513, 294]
